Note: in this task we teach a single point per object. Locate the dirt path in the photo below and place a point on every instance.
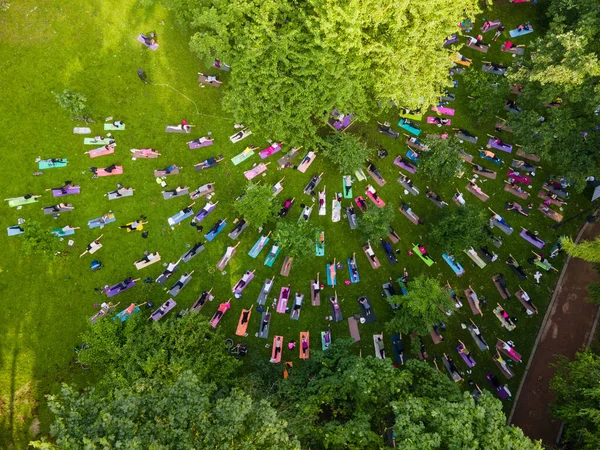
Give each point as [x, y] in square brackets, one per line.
[567, 326]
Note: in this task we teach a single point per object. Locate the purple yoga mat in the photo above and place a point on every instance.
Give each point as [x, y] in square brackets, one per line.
[504, 148]
[117, 289]
[194, 144]
[70, 191]
[536, 243]
[469, 361]
[141, 37]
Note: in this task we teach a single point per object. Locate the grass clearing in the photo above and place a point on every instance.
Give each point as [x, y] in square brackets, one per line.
[91, 48]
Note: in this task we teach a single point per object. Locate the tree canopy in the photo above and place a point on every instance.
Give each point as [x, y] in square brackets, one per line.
[487, 93]
[420, 309]
[459, 228]
[442, 161]
[293, 62]
[563, 72]
[442, 423]
[346, 151]
[257, 205]
[577, 403]
[586, 250]
[296, 238]
[375, 223]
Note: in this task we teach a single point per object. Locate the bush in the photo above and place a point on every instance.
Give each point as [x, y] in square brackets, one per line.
[73, 102]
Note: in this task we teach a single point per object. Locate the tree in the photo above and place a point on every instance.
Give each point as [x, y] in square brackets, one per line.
[586, 250]
[577, 388]
[375, 223]
[421, 308]
[443, 161]
[563, 71]
[73, 102]
[459, 228]
[438, 423]
[297, 238]
[348, 401]
[133, 350]
[293, 62]
[38, 239]
[346, 151]
[188, 413]
[257, 205]
[486, 93]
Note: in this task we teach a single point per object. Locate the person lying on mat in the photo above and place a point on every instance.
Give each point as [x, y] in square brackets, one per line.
[532, 236]
[353, 267]
[406, 180]
[216, 226]
[316, 286]
[199, 141]
[304, 345]
[369, 251]
[148, 40]
[296, 310]
[380, 347]
[179, 283]
[365, 302]
[217, 315]
[210, 162]
[373, 192]
[57, 208]
[451, 364]
[515, 186]
[499, 31]
[482, 169]
[94, 244]
[336, 305]
[277, 347]
[68, 185]
[440, 121]
[245, 316]
[123, 284]
[476, 188]
[362, 203]
[265, 322]
[525, 27]
[133, 226]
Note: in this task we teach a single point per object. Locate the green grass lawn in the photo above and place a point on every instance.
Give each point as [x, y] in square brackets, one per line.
[91, 48]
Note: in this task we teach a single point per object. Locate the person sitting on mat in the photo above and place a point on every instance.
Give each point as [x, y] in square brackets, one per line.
[304, 345]
[365, 302]
[148, 41]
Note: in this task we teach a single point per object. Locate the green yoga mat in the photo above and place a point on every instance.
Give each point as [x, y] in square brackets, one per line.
[111, 127]
[92, 141]
[427, 260]
[22, 201]
[47, 164]
[349, 195]
[242, 157]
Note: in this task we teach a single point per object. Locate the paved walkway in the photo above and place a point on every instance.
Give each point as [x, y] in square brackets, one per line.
[568, 325]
